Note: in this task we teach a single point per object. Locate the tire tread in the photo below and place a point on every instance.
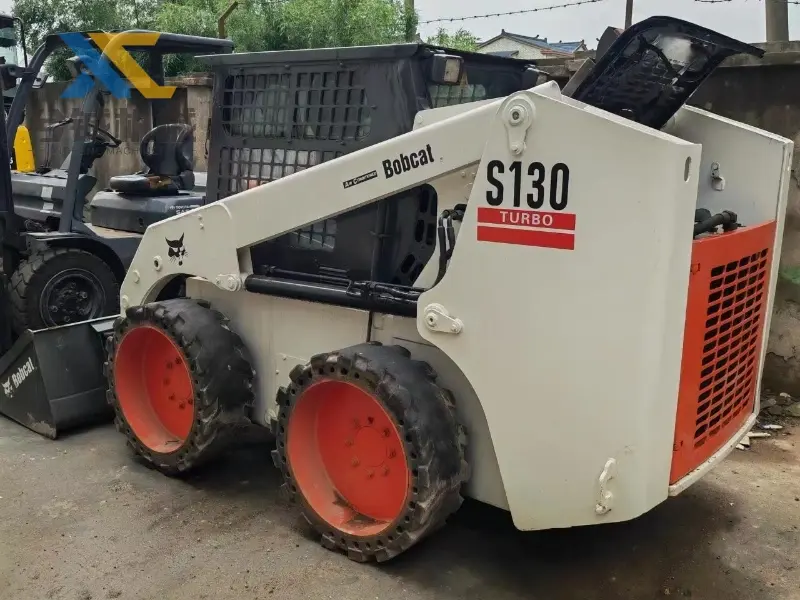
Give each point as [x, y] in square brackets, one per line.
[221, 371]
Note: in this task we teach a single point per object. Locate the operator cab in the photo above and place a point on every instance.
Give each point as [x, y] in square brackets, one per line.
[39, 196]
[165, 183]
[129, 202]
[165, 187]
[279, 112]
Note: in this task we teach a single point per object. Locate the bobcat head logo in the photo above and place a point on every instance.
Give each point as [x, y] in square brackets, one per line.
[177, 251]
[8, 389]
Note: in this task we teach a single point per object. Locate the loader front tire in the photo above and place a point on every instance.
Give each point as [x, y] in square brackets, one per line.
[180, 383]
[369, 446]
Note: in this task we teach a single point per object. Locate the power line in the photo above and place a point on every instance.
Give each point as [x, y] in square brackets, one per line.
[728, 1]
[513, 12]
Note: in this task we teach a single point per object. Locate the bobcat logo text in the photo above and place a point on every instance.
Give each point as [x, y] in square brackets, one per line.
[11, 384]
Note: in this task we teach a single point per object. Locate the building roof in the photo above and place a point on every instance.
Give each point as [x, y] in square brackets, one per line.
[504, 53]
[547, 47]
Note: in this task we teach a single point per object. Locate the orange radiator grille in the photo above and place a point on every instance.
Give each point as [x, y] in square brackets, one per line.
[728, 293]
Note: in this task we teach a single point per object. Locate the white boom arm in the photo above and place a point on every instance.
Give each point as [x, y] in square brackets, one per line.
[213, 235]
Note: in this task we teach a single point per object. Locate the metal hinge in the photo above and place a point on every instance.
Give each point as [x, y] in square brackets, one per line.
[717, 180]
[438, 319]
[605, 500]
[518, 117]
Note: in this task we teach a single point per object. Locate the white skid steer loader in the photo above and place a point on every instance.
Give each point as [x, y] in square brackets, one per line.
[585, 341]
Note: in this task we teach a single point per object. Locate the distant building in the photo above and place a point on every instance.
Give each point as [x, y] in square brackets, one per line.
[514, 45]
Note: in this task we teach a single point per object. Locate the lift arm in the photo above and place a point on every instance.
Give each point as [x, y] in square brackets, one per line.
[208, 242]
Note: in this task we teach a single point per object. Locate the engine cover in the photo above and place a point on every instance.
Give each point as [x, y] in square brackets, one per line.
[135, 213]
[38, 196]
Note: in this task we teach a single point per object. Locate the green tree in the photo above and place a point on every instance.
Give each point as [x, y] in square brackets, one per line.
[43, 17]
[334, 23]
[458, 40]
[255, 25]
[272, 25]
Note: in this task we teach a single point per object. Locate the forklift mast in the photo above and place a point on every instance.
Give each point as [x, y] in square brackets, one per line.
[8, 231]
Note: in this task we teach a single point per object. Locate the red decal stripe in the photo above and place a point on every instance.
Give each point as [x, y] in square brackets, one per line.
[527, 237]
[526, 218]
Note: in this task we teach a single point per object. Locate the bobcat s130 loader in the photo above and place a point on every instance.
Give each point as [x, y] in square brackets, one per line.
[584, 340]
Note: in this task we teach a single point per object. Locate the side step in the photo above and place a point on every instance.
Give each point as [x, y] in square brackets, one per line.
[52, 379]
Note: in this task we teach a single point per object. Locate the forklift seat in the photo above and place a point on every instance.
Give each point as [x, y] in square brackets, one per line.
[167, 152]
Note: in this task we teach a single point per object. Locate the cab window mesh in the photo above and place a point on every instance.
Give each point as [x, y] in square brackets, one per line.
[449, 95]
[305, 105]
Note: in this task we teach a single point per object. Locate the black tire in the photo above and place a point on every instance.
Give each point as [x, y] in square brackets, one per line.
[423, 413]
[41, 282]
[221, 374]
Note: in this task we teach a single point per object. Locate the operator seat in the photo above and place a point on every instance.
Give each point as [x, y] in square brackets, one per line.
[167, 152]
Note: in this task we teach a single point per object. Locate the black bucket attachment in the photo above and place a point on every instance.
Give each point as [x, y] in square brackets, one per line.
[52, 379]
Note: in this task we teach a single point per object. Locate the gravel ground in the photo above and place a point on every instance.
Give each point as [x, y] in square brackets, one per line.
[81, 520]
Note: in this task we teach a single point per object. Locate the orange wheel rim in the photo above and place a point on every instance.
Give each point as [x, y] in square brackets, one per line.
[347, 458]
[154, 388]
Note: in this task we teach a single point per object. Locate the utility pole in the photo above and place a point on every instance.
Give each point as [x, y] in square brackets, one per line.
[224, 17]
[411, 30]
[629, 13]
[777, 13]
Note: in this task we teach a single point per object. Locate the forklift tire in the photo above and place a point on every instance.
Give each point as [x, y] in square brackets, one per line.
[180, 383]
[369, 446]
[61, 286]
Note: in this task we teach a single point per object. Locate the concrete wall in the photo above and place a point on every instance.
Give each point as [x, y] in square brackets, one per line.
[764, 93]
[128, 119]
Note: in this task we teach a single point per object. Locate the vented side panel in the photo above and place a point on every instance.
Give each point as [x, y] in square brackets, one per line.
[725, 316]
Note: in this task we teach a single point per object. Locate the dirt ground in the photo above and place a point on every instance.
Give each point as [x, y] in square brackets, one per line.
[80, 520]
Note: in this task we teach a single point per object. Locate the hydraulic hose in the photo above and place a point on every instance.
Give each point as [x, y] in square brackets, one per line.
[726, 219]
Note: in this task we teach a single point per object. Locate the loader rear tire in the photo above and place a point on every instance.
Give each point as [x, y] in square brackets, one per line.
[369, 446]
[61, 286]
[180, 383]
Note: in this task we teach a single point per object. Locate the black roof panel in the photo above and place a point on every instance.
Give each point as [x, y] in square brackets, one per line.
[168, 43]
[378, 52]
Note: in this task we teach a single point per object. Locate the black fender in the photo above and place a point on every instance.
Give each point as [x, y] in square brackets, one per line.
[107, 250]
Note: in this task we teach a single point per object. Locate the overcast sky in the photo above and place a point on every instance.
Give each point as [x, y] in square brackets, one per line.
[742, 19]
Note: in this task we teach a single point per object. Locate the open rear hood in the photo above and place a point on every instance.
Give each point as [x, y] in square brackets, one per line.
[653, 67]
